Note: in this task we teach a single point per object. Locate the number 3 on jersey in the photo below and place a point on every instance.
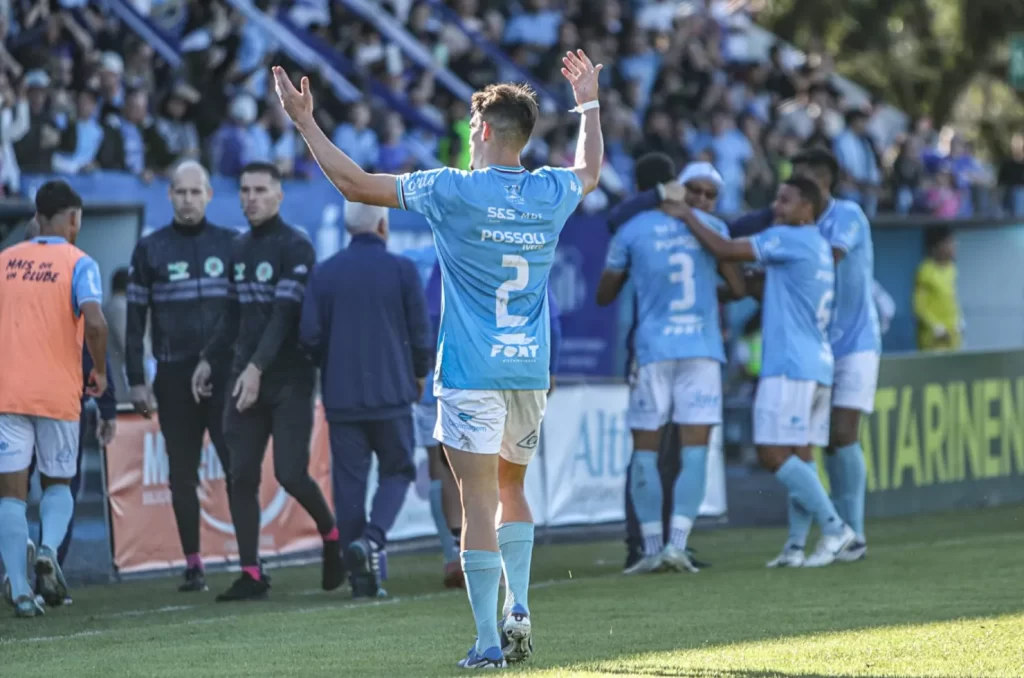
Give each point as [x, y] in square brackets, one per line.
[685, 275]
[517, 284]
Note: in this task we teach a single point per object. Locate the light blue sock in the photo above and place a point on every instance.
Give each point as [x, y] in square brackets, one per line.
[689, 493]
[645, 490]
[55, 510]
[855, 485]
[799, 517]
[483, 574]
[516, 543]
[444, 533]
[806, 488]
[837, 479]
[13, 542]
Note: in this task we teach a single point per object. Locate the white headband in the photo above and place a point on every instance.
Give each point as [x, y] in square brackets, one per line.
[701, 170]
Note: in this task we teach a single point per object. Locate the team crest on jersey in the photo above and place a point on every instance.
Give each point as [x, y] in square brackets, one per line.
[213, 267]
[239, 272]
[264, 272]
[177, 270]
[514, 194]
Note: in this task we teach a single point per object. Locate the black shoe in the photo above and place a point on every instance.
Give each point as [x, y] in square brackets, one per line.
[195, 580]
[263, 572]
[633, 557]
[362, 560]
[245, 588]
[333, 571]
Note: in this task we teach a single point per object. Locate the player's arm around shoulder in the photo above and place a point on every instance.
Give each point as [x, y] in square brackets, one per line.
[616, 266]
[719, 245]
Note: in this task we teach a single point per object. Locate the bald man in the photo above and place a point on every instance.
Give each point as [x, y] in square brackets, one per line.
[364, 320]
[179, 281]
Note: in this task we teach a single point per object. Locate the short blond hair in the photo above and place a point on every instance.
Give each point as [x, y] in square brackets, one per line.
[510, 108]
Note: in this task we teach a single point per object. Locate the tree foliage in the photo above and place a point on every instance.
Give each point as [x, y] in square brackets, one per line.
[922, 56]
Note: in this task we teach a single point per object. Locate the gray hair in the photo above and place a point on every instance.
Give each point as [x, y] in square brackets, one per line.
[360, 218]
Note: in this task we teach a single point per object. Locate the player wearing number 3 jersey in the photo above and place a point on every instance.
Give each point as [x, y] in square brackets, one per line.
[679, 354]
[791, 409]
[495, 229]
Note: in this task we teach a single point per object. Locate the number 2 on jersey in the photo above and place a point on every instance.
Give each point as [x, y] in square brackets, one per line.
[683, 274]
[517, 284]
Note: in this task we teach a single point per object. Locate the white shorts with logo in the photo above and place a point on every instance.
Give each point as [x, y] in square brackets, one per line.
[491, 422]
[791, 413]
[55, 443]
[424, 418]
[689, 392]
[855, 381]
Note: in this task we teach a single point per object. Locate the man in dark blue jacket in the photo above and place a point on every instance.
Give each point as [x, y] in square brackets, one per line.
[364, 321]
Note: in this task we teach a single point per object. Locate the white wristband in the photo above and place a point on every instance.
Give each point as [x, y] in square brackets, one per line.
[582, 108]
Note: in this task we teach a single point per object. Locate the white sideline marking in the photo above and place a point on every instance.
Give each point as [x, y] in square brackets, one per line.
[963, 541]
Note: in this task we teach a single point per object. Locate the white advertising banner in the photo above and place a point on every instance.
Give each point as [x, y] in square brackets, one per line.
[579, 476]
[586, 449]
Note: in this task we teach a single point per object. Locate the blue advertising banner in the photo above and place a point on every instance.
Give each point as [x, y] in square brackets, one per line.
[588, 332]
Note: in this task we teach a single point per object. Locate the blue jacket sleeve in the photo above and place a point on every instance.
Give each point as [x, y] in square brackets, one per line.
[627, 209]
[556, 332]
[415, 302]
[310, 327]
[751, 223]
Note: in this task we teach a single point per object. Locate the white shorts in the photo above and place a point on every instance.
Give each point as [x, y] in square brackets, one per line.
[55, 443]
[424, 418]
[689, 392]
[791, 413]
[491, 422]
[855, 381]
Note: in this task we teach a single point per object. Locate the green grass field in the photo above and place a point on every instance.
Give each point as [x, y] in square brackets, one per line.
[937, 596]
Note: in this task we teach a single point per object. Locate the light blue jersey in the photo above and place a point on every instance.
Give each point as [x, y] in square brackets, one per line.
[855, 327]
[495, 231]
[797, 307]
[676, 285]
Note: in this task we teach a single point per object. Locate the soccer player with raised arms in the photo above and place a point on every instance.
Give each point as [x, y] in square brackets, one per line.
[856, 346]
[495, 228]
[679, 352]
[791, 409]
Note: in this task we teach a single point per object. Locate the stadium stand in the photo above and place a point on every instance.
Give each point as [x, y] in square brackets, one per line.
[135, 85]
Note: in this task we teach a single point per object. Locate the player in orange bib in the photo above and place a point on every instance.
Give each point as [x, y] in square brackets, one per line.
[50, 298]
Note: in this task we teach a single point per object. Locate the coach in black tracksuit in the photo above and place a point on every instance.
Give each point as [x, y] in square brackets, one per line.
[272, 378]
[179, 281]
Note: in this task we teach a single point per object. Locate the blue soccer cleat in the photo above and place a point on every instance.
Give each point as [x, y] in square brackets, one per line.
[491, 658]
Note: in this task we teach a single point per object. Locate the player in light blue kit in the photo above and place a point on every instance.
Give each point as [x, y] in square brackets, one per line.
[495, 229]
[791, 409]
[856, 346]
[444, 492]
[679, 354]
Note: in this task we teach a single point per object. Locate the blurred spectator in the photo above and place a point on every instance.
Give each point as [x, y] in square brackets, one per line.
[278, 135]
[760, 175]
[176, 127]
[85, 134]
[357, 139]
[395, 157]
[858, 163]
[907, 174]
[731, 151]
[537, 25]
[36, 147]
[15, 121]
[112, 90]
[1011, 177]
[131, 141]
[941, 198]
[971, 177]
[660, 137]
[239, 140]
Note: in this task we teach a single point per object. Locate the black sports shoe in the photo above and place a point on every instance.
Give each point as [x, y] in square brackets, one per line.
[633, 556]
[699, 564]
[333, 571]
[245, 588]
[195, 580]
[363, 562]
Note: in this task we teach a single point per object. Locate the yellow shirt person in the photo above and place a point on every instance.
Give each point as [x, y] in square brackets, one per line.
[936, 305]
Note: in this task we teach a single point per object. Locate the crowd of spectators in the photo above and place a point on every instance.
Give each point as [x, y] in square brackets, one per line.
[80, 92]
